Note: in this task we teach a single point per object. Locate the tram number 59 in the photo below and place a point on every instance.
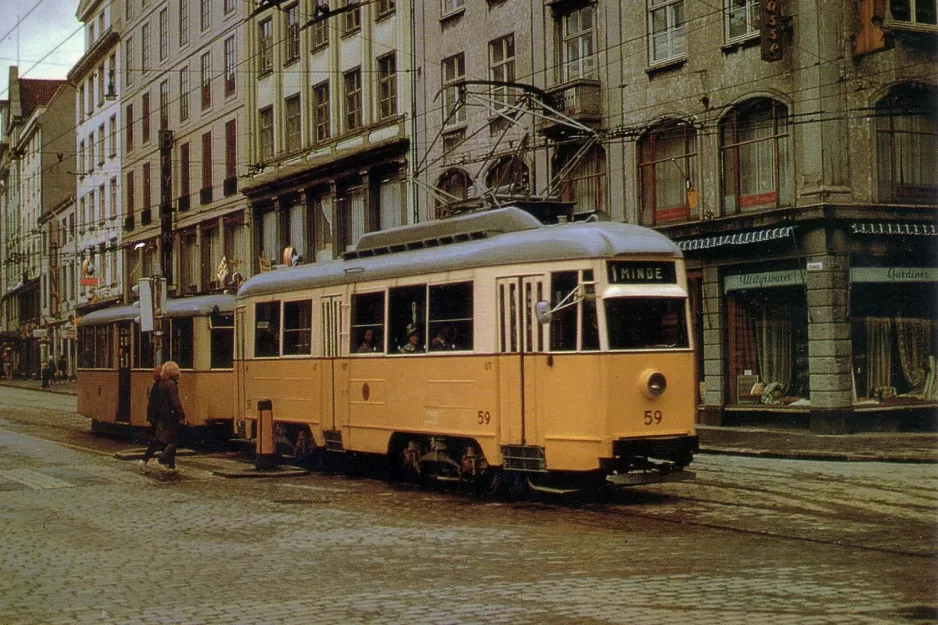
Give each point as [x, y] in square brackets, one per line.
[652, 416]
[484, 417]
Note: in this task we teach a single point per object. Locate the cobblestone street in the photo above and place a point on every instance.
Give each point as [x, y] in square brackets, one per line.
[87, 539]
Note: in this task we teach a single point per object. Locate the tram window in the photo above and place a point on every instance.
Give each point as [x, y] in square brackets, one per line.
[589, 321]
[267, 329]
[646, 323]
[297, 323]
[102, 347]
[86, 340]
[367, 333]
[450, 323]
[407, 310]
[181, 347]
[144, 349]
[222, 337]
[563, 324]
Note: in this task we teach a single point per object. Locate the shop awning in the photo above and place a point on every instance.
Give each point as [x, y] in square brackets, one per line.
[738, 238]
[927, 230]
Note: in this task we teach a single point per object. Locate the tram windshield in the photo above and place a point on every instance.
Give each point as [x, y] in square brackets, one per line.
[646, 323]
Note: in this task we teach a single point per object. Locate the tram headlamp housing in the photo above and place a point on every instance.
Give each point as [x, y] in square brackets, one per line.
[654, 383]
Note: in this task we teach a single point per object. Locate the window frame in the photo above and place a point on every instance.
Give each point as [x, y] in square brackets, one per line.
[352, 99]
[674, 34]
[453, 72]
[387, 85]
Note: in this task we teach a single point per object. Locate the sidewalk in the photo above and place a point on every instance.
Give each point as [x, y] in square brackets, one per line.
[916, 447]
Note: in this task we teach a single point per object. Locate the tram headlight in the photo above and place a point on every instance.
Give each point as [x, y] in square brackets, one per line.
[654, 383]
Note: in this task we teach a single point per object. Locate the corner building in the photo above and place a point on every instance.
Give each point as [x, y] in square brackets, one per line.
[789, 148]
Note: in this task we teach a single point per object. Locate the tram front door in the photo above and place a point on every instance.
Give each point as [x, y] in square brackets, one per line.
[520, 339]
[124, 359]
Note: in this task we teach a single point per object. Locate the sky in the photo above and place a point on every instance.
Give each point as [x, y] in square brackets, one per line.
[47, 27]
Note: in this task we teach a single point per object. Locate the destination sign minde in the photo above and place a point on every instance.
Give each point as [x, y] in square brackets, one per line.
[631, 272]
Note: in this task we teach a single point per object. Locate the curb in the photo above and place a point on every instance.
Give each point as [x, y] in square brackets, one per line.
[260, 473]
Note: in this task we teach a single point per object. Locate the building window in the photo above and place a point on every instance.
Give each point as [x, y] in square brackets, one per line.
[145, 113]
[229, 6]
[385, 7]
[184, 189]
[101, 85]
[742, 19]
[102, 204]
[145, 187]
[184, 93]
[451, 6]
[205, 14]
[129, 194]
[265, 54]
[81, 103]
[292, 39]
[231, 155]
[919, 12]
[665, 30]
[907, 145]
[585, 183]
[230, 63]
[321, 111]
[353, 18]
[206, 80]
[206, 163]
[128, 60]
[129, 128]
[265, 120]
[100, 148]
[353, 99]
[577, 31]
[453, 186]
[292, 114]
[183, 22]
[112, 138]
[320, 33]
[502, 67]
[164, 34]
[454, 71]
[387, 86]
[129, 9]
[164, 104]
[145, 48]
[667, 159]
[111, 92]
[112, 213]
[756, 164]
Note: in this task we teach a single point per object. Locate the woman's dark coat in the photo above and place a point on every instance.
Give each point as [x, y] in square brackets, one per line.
[171, 413]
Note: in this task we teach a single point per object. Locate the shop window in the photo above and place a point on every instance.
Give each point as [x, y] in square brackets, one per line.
[756, 161]
[450, 320]
[222, 337]
[297, 326]
[407, 313]
[768, 346]
[181, 349]
[907, 145]
[574, 324]
[667, 161]
[895, 343]
[267, 330]
[367, 333]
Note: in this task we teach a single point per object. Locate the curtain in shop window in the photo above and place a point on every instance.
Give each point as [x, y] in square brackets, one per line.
[878, 353]
[914, 340]
[773, 334]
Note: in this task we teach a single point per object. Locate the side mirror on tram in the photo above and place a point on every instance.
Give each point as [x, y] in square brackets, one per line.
[543, 312]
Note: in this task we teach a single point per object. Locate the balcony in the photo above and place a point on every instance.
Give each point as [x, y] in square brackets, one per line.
[579, 100]
[145, 217]
[129, 223]
[182, 203]
[205, 195]
[230, 186]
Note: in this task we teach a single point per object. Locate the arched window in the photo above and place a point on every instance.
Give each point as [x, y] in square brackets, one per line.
[756, 157]
[667, 161]
[454, 187]
[907, 145]
[585, 182]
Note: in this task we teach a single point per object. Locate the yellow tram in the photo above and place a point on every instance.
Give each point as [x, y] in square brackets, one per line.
[116, 363]
[483, 347]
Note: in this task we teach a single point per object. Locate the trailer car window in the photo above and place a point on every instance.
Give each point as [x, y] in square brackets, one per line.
[144, 349]
[297, 324]
[367, 335]
[450, 324]
[407, 310]
[181, 348]
[222, 337]
[102, 347]
[267, 329]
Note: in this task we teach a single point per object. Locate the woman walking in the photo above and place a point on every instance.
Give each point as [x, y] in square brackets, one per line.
[172, 416]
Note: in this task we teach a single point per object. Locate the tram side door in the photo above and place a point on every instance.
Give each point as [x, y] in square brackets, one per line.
[240, 363]
[332, 371]
[124, 359]
[520, 339]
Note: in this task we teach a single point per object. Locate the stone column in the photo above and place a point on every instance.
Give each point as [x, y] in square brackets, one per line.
[713, 348]
[829, 345]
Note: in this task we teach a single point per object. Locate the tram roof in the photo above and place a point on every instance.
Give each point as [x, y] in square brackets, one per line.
[531, 242]
[195, 306]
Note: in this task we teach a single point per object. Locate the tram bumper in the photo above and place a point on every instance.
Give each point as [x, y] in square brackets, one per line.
[651, 460]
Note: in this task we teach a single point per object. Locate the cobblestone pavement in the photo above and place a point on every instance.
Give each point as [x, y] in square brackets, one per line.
[89, 540]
